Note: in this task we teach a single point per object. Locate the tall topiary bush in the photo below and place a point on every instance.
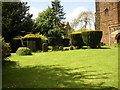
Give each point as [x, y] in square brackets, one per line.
[76, 39]
[92, 38]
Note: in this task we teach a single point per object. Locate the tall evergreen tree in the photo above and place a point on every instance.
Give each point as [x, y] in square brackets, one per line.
[58, 9]
[15, 18]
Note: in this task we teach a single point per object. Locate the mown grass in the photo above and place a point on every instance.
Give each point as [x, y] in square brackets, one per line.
[83, 68]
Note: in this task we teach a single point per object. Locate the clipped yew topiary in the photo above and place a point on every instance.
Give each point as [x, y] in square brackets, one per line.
[23, 51]
[54, 41]
[76, 39]
[92, 38]
[65, 42]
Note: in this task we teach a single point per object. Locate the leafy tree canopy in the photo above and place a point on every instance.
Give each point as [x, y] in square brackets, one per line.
[15, 18]
[46, 20]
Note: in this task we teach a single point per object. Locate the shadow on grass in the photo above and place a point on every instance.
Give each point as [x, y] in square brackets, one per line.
[96, 48]
[51, 76]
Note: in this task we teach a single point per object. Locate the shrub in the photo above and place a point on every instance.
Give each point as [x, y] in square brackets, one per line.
[76, 39]
[65, 42]
[92, 38]
[17, 37]
[54, 41]
[56, 32]
[116, 45]
[5, 49]
[23, 51]
[34, 41]
[45, 47]
[55, 48]
[61, 48]
[37, 35]
[15, 43]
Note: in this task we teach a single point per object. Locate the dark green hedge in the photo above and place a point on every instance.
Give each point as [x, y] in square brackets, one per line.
[92, 38]
[54, 41]
[65, 42]
[76, 39]
[33, 43]
[15, 44]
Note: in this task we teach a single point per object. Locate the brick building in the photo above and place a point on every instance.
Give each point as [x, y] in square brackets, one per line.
[108, 21]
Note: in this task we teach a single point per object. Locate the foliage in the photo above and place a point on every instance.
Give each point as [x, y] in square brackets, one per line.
[15, 19]
[92, 38]
[5, 49]
[37, 35]
[43, 38]
[18, 37]
[84, 19]
[58, 10]
[78, 32]
[45, 21]
[65, 42]
[45, 47]
[23, 51]
[76, 39]
[15, 44]
[54, 41]
[55, 32]
[116, 45]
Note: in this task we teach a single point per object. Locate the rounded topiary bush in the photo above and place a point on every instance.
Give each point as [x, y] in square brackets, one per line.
[23, 51]
[76, 39]
[92, 38]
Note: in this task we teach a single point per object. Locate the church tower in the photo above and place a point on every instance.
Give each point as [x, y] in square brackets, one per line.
[108, 21]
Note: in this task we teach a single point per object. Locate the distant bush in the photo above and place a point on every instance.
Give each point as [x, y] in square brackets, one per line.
[116, 45]
[5, 49]
[65, 42]
[92, 38]
[45, 47]
[55, 32]
[76, 39]
[54, 41]
[23, 51]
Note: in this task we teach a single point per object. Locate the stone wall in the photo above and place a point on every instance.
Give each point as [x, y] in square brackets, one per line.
[107, 13]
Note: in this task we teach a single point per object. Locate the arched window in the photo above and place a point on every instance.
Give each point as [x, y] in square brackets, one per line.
[106, 12]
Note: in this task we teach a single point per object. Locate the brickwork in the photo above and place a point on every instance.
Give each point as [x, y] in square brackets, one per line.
[107, 13]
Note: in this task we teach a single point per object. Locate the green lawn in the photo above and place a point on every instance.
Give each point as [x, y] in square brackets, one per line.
[83, 68]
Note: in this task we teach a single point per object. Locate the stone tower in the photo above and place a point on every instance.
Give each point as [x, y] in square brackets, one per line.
[108, 21]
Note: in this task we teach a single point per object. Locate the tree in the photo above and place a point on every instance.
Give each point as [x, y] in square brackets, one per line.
[84, 18]
[58, 9]
[55, 32]
[45, 21]
[15, 18]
